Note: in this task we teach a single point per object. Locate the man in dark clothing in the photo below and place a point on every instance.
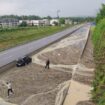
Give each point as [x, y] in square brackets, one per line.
[47, 64]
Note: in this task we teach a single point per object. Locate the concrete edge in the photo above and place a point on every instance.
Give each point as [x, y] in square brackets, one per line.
[85, 44]
[7, 67]
[61, 95]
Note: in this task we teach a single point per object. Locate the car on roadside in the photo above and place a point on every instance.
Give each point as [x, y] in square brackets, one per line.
[27, 60]
[23, 61]
[20, 63]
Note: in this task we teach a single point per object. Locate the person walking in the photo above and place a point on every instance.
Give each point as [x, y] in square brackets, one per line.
[47, 64]
[10, 90]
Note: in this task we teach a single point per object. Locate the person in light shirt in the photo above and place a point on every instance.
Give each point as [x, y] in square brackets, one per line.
[9, 86]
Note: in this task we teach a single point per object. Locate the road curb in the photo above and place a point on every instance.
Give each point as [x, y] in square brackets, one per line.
[7, 67]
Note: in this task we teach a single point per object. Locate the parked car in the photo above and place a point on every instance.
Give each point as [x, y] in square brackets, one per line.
[23, 61]
[20, 63]
[27, 60]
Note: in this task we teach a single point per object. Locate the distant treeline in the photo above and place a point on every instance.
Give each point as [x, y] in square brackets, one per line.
[24, 17]
[82, 19]
[34, 17]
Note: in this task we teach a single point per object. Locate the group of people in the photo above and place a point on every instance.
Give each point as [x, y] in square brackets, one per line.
[9, 85]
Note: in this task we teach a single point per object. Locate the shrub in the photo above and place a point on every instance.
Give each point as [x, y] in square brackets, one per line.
[98, 37]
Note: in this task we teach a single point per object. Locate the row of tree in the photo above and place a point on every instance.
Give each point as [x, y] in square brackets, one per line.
[34, 17]
[24, 17]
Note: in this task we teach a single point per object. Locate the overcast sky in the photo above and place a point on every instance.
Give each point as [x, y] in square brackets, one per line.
[50, 7]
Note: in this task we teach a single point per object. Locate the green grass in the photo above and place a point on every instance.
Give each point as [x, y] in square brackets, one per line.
[98, 37]
[13, 37]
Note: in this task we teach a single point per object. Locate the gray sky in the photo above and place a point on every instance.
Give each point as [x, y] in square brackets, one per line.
[50, 7]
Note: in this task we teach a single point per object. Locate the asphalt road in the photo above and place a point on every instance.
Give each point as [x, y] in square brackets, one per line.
[13, 54]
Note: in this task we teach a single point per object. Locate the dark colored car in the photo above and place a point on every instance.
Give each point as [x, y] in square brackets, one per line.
[27, 60]
[23, 61]
[20, 63]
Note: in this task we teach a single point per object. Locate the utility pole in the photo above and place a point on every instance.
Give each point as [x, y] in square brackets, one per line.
[58, 14]
[58, 11]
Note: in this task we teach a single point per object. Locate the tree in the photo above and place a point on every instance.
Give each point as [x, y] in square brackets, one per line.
[101, 13]
[48, 17]
[62, 21]
[23, 24]
[55, 23]
[33, 17]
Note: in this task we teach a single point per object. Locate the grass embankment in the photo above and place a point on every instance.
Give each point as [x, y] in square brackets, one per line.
[98, 91]
[13, 37]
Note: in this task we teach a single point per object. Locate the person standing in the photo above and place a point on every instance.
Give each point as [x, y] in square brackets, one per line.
[47, 64]
[10, 90]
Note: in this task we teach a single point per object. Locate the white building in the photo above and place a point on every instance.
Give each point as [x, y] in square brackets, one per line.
[68, 21]
[53, 21]
[9, 22]
[29, 22]
[43, 22]
[75, 23]
[35, 22]
[46, 22]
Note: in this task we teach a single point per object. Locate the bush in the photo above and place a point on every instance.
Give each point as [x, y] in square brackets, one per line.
[98, 37]
[101, 13]
[23, 24]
